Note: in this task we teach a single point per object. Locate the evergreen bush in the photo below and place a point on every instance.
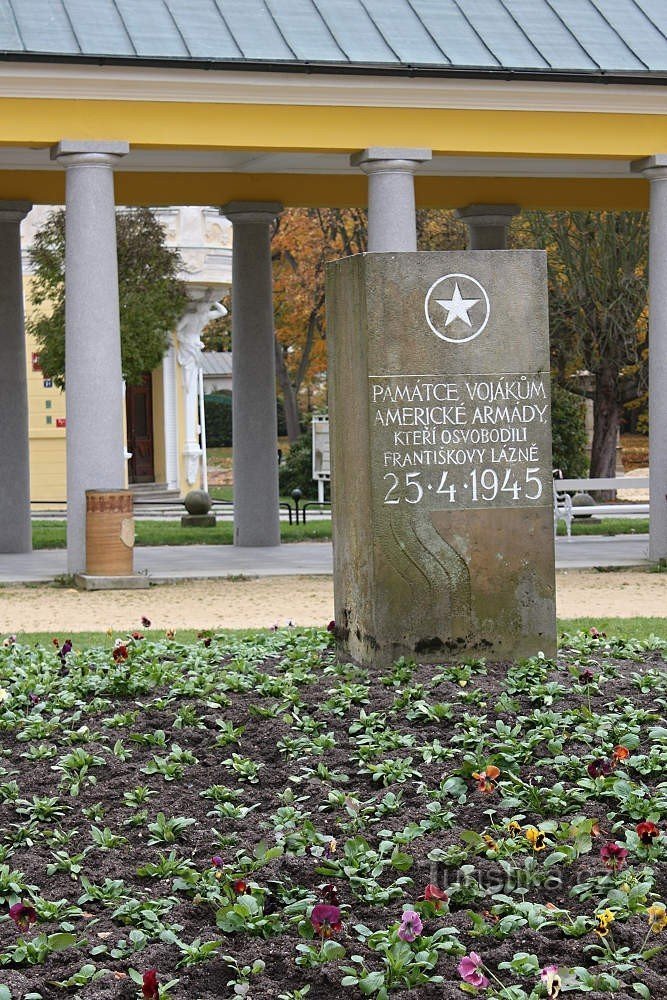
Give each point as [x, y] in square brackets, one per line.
[568, 429]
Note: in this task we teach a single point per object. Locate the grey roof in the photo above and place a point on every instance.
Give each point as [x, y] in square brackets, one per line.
[216, 362]
[610, 38]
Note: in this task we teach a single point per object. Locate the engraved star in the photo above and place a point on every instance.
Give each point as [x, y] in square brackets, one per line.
[457, 307]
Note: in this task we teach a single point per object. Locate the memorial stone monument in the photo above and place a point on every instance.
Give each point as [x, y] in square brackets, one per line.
[441, 455]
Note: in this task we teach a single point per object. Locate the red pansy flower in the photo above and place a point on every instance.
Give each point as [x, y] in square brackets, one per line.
[326, 919]
[329, 894]
[150, 988]
[120, 652]
[647, 832]
[22, 915]
[613, 856]
[433, 894]
[600, 768]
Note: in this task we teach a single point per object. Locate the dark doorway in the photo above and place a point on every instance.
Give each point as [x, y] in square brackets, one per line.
[139, 410]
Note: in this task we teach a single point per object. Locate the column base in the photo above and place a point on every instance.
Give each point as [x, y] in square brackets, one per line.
[137, 581]
[198, 521]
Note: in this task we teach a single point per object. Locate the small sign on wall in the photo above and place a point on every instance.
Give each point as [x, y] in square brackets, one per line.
[47, 382]
[36, 366]
[61, 422]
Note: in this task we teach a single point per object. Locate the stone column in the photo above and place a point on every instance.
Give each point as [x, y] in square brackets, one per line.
[655, 169]
[15, 534]
[94, 389]
[392, 221]
[255, 433]
[487, 225]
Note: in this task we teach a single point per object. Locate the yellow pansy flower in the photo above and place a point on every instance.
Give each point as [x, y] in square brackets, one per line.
[604, 919]
[657, 917]
[536, 838]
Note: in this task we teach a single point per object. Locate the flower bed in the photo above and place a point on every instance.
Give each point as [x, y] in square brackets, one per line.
[247, 817]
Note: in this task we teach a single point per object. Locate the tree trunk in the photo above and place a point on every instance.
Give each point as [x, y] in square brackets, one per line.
[605, 430]
[289, 396]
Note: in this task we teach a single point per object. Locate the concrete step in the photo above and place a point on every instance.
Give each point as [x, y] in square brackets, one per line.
[157, 493]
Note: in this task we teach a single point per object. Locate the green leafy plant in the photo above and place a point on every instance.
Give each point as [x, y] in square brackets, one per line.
[151, 297]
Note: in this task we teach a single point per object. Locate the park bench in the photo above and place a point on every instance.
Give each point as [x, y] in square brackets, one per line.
[563, 488]
[563, 510]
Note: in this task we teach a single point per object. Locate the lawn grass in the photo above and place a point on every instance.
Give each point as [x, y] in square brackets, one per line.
[97, 640]
[608, 526]
[222, 457]
[227, 493]
[622, 628]
[221, 492]
[52, 534]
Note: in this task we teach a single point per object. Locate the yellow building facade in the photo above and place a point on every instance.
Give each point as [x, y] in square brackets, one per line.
[161, 415]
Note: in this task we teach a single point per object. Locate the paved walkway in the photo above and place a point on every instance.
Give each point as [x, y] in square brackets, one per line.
[179, 562]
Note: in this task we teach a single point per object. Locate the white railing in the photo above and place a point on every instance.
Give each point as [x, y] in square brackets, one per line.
[563, 486]
[619, 483]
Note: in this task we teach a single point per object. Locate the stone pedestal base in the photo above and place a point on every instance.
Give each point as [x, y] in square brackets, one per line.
[198, 521]
[136, 581]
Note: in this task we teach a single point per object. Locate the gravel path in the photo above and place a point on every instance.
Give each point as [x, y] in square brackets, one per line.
[262, 602]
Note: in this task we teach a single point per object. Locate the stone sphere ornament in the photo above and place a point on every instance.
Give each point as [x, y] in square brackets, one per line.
[580, 500]
[197, 502]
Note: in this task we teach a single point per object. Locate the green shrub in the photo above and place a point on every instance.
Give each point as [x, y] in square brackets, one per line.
[569, 432]
[218, 410]
[296, 472]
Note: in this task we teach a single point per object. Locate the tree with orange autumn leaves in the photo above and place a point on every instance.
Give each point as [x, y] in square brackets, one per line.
[303, 241]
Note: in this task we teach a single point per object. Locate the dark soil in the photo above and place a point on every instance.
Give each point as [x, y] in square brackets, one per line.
[286, 686]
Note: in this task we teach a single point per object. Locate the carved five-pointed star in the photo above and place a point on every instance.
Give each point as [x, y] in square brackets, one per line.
[457, 307]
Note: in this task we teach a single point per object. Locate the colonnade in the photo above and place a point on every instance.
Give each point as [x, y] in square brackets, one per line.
[95, 449]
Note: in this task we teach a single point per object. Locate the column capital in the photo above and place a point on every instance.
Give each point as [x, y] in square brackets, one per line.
[252, 212]
[488, 215]
[652, 167]
[14, 211]
[377, 159]
[79, 152]
[487, 225]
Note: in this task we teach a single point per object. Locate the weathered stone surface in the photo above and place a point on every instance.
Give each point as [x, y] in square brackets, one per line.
[198, 521]
[197, 502]
[441, 455]
[136, 581]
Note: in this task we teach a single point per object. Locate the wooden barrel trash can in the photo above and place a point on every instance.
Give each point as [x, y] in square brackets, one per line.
[109, 533]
